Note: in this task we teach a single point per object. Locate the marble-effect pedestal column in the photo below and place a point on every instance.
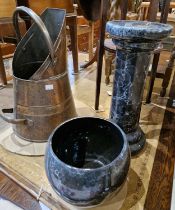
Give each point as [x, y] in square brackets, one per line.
[135, 42]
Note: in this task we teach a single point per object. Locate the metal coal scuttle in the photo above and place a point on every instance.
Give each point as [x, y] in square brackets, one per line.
[42, 93]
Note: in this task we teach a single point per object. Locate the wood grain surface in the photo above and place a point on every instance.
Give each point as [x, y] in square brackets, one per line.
[7, 7]
[161, 181]
[11, 191]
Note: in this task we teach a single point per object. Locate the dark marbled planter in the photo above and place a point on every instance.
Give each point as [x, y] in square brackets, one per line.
[135, 42]
[87, 160]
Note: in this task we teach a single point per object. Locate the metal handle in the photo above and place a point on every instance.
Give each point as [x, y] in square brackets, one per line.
[13, 121]
[38, 22]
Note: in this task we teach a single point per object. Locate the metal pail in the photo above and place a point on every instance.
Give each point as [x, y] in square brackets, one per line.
[43, 99]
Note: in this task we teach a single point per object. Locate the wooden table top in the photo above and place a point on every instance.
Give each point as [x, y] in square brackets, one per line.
[11, 191]
[161, 181]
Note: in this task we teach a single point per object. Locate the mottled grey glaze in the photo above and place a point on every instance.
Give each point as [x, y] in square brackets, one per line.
[138, 29]
[135, 41]
[86, 185]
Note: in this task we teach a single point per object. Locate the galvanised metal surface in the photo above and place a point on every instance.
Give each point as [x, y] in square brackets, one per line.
[87, 159]
[41, 53]
[42, 93]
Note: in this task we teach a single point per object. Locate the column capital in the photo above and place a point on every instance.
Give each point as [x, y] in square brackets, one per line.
[140, 31]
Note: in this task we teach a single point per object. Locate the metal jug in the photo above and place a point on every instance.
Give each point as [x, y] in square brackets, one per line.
[42, 93]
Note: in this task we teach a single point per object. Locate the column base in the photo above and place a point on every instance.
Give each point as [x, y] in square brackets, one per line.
[136, 141]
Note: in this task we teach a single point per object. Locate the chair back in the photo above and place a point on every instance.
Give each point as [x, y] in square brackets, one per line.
[143, 11]
[7, 7]
[7, 33]
[39, 5]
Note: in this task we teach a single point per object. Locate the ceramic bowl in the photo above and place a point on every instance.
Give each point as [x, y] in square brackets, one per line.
[87, 158]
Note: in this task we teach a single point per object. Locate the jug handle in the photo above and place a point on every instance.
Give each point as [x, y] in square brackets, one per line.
[38, 22]
[10, 120]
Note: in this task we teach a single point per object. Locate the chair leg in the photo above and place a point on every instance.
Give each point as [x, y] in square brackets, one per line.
[152, 77]
[91, 39]
[108, 66]
[168, 73]
[74, 42]
[2, 70]
[104, 9]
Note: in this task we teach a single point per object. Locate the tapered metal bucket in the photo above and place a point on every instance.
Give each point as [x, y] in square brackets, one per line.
[42, 93]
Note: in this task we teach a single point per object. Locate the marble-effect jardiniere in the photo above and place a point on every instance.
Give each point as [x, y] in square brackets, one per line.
[135, 42]
[87, 159]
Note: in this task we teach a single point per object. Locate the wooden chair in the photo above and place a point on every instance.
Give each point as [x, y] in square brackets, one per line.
[143, 11]
[7, 34]
[152, 16]
[5, 11]
[86, 27]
